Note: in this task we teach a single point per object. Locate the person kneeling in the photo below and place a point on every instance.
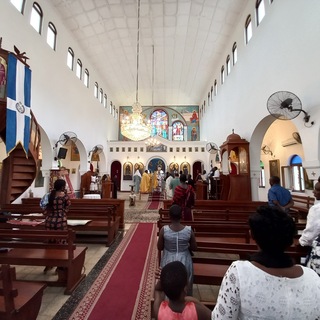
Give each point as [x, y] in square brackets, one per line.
[173, 283]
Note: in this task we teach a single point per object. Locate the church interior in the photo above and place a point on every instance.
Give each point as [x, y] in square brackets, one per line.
[117, 87]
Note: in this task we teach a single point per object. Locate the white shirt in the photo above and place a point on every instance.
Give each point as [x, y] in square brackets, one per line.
[249, 293]
[312, 229]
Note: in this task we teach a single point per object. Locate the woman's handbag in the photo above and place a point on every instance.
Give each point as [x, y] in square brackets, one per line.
[313, 260]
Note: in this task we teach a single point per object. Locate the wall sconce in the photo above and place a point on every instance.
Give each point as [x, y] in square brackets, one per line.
[266, 150]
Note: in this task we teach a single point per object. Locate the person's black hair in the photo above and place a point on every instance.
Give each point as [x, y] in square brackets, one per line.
[272, 229]
[275, 179]
[174, 278]
[59, 185]
[183, 177]
[175, 212]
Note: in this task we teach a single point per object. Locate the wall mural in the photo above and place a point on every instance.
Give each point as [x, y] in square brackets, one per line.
[163, 117]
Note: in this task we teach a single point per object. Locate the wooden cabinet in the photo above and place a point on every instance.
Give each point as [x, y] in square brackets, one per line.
[235, 153]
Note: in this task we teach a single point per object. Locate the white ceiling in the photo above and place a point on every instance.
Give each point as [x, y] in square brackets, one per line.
[188, 36]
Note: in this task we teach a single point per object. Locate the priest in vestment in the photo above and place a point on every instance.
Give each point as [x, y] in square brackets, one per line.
[145, 182]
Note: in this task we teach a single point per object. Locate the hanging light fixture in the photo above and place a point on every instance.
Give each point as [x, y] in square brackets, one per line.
[134, 126]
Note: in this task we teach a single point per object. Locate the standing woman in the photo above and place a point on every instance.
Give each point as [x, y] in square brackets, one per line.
[184, 196]
[57, 207]
[176, 241]
[137, 181]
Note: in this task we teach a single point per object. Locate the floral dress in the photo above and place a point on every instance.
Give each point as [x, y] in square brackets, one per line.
[56, 217]
[176, 248]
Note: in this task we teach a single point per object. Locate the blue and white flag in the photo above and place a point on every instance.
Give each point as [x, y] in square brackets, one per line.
[18, 104]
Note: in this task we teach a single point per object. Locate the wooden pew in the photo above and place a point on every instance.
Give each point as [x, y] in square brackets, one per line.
[302, 205]
[19, 300]
[77, 206]
[102, 227]
[30, 247]
[221, 205]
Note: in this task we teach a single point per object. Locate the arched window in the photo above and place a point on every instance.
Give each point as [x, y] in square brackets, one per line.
[117, 114]
[215, 87]
[86, 78]
[260, 11]
[204, 106]
[110, 107]
[295, 176]
[79, 69]
[105, 100]
[96, 90]
[36, 17]
[177, 131]
[19, 4]
[114, 111]
[262, 180]
[211, 92]
[70, 58]
[222, 75]
[248, 29]
[209, 98]
[159, 124]
[52, 36]
[101, 95]
[234, 53]
[228, 64]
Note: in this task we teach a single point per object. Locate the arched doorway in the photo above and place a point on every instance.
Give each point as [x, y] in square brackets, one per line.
[116, 173]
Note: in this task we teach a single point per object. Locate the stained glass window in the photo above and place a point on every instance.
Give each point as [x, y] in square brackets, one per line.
[159, 123]
[177, 131]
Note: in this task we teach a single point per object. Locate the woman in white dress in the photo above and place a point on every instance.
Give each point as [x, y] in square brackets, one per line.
[269, 286]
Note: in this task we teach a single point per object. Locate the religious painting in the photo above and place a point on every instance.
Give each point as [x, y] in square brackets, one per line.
[185, 168]
[127, 171]
[75, 155]
[159, 123]
[274, 166]
[95, 156]
[158, 148]
[139, 166]
[155, 163]
[173, 168]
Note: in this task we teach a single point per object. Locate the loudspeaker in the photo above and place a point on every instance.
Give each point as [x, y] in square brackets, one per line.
[62, 153]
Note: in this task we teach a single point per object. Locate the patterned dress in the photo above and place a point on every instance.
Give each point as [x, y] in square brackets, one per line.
[56, 217]
[176, 248]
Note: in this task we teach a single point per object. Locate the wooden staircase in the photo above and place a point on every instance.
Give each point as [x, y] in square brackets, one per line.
[18, 171]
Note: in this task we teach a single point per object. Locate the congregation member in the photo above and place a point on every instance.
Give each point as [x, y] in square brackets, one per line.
[176, 241]
[174, 182]
[145, 182]
[278, 195]
[173, 284]
[168, 180]
[137, 181]
[270, 285]
[184, 196]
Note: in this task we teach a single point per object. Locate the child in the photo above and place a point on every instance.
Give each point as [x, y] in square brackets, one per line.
[174, 284]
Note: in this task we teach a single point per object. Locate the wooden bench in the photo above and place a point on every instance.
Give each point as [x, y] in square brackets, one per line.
[221, 205]
[301, 205]
[30, 247]
[102, 227]
[18, 299]
[92, 206]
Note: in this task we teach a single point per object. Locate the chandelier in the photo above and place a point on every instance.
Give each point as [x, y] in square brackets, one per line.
[152, 142]
[134, 126]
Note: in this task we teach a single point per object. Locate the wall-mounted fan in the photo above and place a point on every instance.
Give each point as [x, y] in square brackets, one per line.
[96, 150]
[212, 147]
[67, 138]
[285, 105]
[266, 150]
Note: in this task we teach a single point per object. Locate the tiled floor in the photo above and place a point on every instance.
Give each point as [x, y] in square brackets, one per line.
[96, 257]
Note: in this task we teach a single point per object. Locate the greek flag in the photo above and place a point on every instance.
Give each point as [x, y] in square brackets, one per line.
[18, 104]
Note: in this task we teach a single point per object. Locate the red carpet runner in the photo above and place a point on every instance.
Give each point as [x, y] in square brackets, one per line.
[124, 287]
[154, 201]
